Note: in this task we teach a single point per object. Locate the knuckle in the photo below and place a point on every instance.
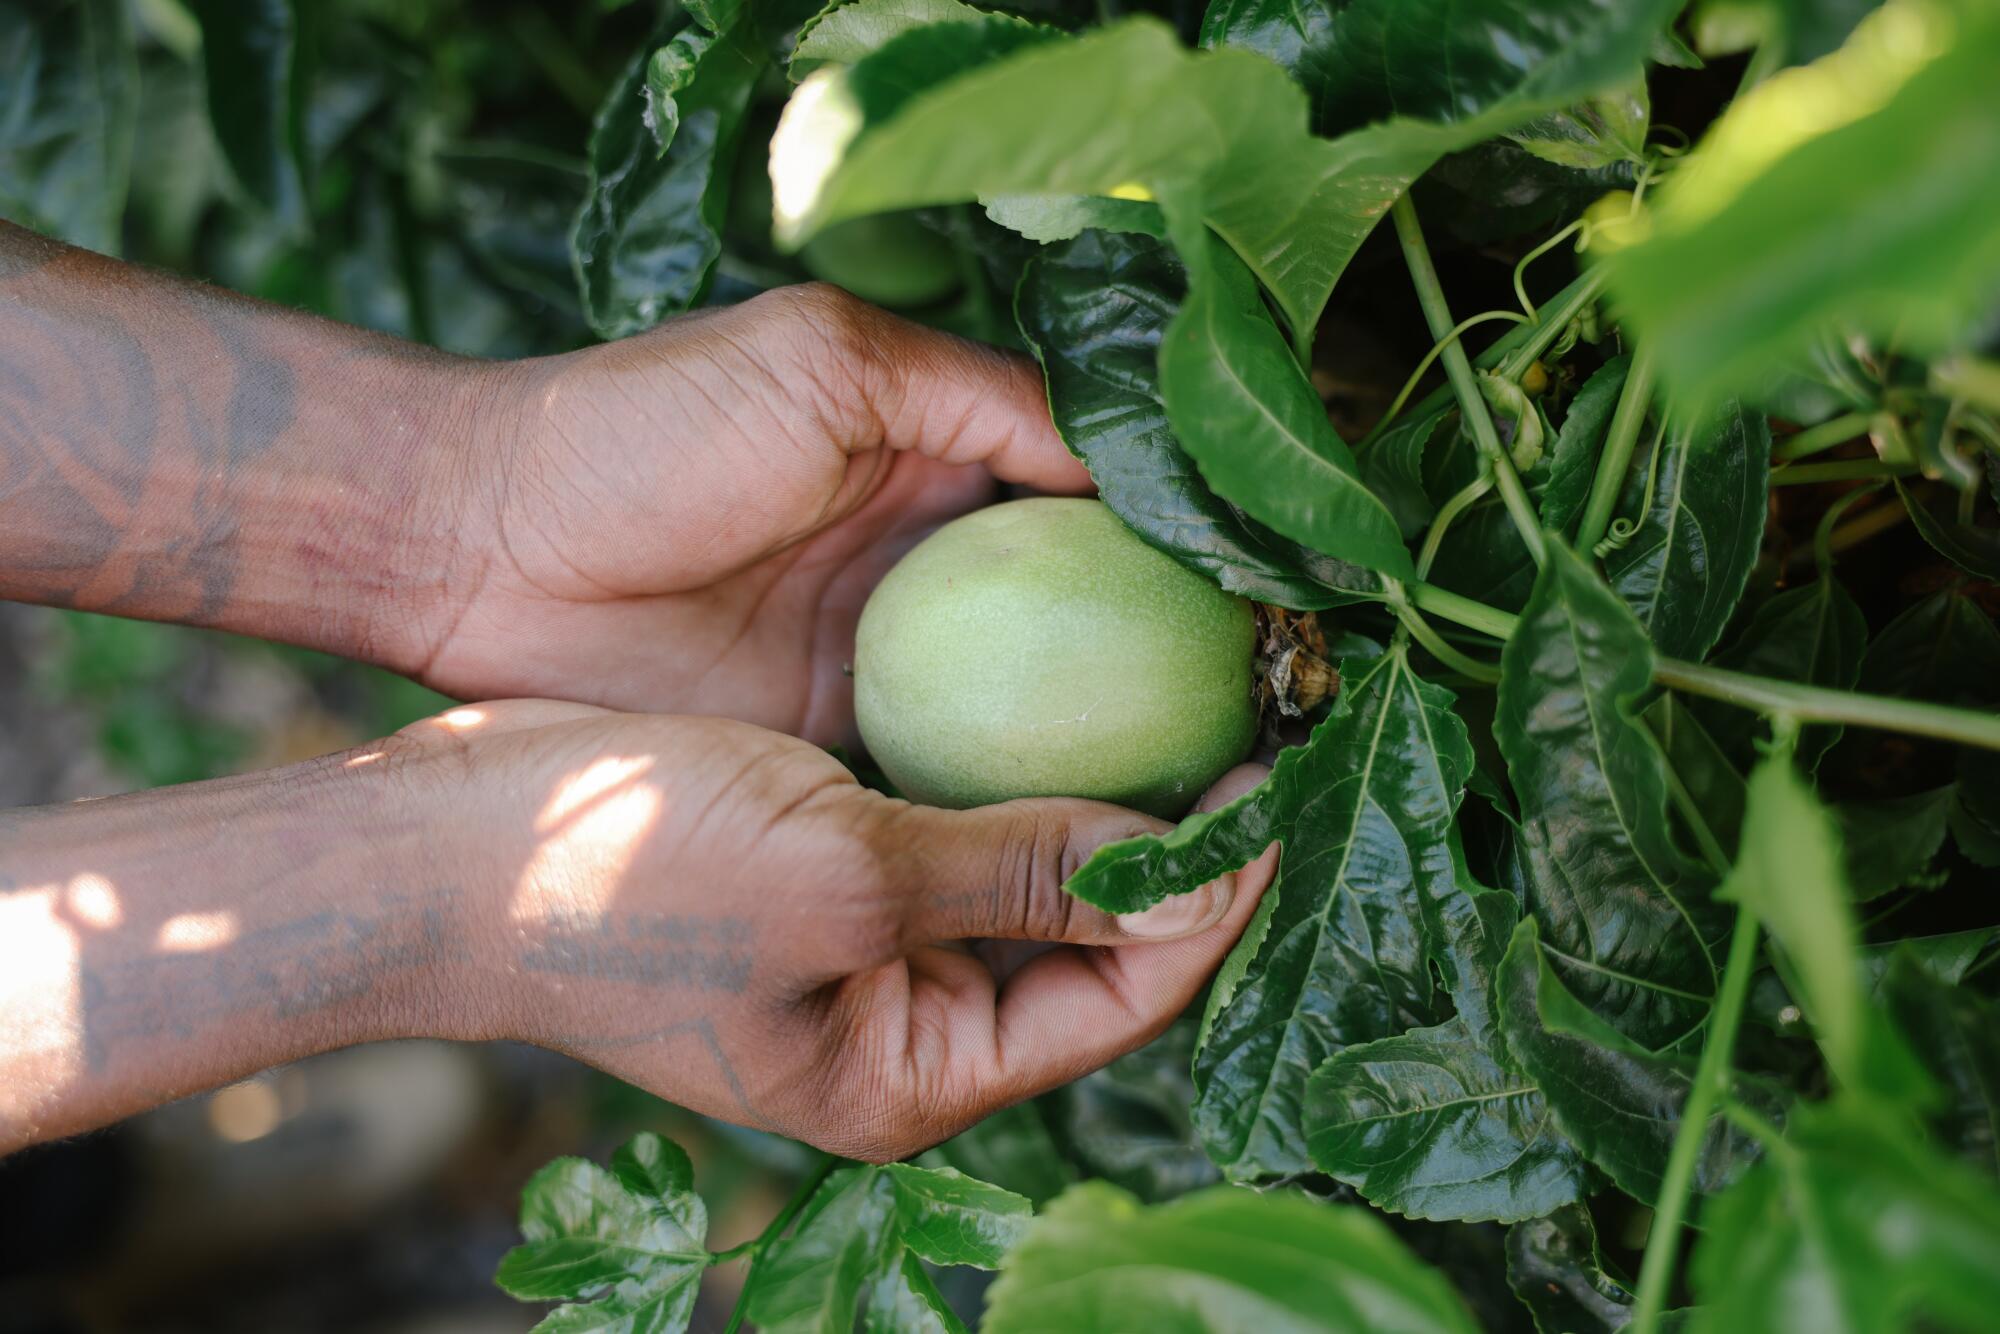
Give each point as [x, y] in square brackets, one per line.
[1032, 859]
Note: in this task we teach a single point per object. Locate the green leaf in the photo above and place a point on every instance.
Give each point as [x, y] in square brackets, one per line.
[1293, 36]
[1093, 312]
[1974, 550]
[1597, 132]
[1949, 958]
[1132, 1122]
[1224, 1260]
[1890, 843]
[1814, 634]
[1250, 418]
[1790, 32]
[1365, 811]
[1684, 568]
[259, 71]
[1956, 1036]
[1788, 871]
[626, 1245]
[646, 240]
[1856, 1226]
[67, 118]
[1623, 915]
[1975, 812]
[1573, 460]
[1047, 218]
[1392, 464]
[812, 1279]
[843, 34]
[1620, 1103]
[1709, 776]
[904, 1300]
[1126, 106]
[1945, 648]
[1431, 1124]
[1554, 1267]
[950, 1218]
[1798, 212]
[1013, 1149]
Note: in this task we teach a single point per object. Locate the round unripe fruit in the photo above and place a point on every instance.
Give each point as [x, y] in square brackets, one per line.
[1039, 648]
[889, 259]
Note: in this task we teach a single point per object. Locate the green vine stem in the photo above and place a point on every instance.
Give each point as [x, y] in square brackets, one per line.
[1412, 620]
[1841, 470]
[1447, 514]
[1513, 350]
[1809, 704]
[1458, 368]
[1824, 436]
[1626, 419]
[1437, 350]
[816, 1174]
[1711, 1081]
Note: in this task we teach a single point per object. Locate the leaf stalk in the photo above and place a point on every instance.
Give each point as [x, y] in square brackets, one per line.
[1626, 419]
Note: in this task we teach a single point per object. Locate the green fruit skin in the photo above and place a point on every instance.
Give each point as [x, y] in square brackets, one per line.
[1039, 648]
[889, 259]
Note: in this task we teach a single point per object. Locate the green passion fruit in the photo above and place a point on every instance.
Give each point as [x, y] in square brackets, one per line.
[889, 259]
[1040, 648]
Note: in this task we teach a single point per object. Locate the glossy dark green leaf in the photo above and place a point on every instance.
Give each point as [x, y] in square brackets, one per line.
[1623, 914]
[1554, 1267]
[1890, 843]
[949, 1218]
[258, 63]
[1579, 441]
[1618, 1102]
[1430, 1124]
[1225, 1261]
[1789, 32]
[512, 208]
[1945, 648]
[1483, 557]
[1859, 1227]
[811, 1279]
[1813, 634]
[1013, 1149]
[1496, 190]
[1247, 414]
[67, 113]
[1975, 810]
[1710, 777]
[626, 1246]
[1684, 567]
[1787, 221]
[650, 229]
[1392, 464]
[1950, 958]
[1340, 954]
[1132, 1122]
[1955, 1033]
[1974, 550]
[1295, 37]
[1093, 312]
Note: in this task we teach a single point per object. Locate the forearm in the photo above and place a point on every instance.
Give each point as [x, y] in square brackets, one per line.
[156, 945]
[174, 452]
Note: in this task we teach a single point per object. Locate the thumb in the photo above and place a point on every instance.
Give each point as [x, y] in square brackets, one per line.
[998, 872]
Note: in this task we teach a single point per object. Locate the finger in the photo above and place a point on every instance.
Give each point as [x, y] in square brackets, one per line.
[495, 717]
[998, 871]
[959, 402]
[1072, 1011]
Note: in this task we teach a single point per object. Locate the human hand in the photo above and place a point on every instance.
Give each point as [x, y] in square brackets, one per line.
[689, 521]
[722, 915]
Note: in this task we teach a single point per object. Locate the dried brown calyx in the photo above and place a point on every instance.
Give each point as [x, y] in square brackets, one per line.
[1292, 673]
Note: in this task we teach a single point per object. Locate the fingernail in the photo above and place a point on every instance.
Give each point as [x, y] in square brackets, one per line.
[1181, 915]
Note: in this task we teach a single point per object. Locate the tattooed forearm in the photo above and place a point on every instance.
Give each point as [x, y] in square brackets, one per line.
[174, 452]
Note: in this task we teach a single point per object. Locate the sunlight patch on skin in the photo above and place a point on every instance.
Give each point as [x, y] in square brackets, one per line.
[459, 720]
[582, 789]
[592, 828]
[41, 992]
[196, 932]
[365, 757]
[93, 900]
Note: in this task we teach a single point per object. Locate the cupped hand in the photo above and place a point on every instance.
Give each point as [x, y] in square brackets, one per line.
[690, 521]
[722, 915]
